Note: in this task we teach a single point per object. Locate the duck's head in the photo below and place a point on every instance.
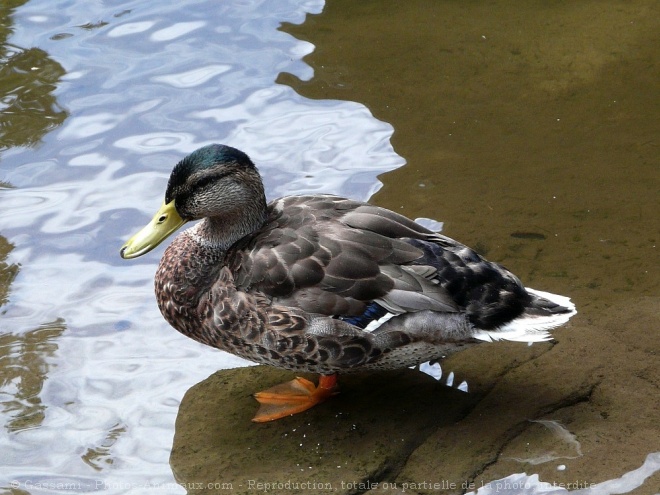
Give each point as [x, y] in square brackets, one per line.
[215, 182]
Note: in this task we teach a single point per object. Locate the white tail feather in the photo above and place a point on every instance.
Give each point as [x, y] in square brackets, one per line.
[531, 328]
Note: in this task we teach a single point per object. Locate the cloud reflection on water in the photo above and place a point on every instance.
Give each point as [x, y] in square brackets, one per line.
[145, 86]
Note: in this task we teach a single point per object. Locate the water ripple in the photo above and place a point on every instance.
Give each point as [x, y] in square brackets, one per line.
[143, 87]
[176, 30]
[130, 28]
[192, 78]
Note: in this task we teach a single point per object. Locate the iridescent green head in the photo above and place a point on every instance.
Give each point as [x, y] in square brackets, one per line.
[216, 182]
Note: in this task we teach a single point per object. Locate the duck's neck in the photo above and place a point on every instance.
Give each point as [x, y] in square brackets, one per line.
[223, 230]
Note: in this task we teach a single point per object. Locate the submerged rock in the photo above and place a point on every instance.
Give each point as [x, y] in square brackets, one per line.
[345, 445]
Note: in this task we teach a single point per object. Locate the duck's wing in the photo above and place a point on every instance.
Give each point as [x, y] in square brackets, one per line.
[253, 327]
[331, 256]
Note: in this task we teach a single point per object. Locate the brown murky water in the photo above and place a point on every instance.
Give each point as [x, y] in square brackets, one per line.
[539, 119]
[529, 130]
[532, 132]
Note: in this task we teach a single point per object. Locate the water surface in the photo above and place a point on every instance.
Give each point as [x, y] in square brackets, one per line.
[531, 131]
[99, 103]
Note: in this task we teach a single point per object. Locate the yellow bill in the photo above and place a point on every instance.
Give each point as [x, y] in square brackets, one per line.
[162, 225]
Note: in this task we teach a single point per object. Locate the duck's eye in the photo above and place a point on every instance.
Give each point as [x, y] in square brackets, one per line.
[209, 179]
[204, 181]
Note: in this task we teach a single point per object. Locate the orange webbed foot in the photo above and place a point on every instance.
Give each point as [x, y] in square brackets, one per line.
[293, 397]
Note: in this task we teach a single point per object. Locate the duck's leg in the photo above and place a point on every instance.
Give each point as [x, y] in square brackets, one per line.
[293, 397]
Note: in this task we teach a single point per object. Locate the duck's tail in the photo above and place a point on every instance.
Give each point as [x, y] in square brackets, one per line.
[544, 312]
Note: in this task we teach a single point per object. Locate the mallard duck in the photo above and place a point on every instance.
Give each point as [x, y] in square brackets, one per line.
[321, 283]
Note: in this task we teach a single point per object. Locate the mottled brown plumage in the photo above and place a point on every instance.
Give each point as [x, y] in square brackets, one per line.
[302, 283]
